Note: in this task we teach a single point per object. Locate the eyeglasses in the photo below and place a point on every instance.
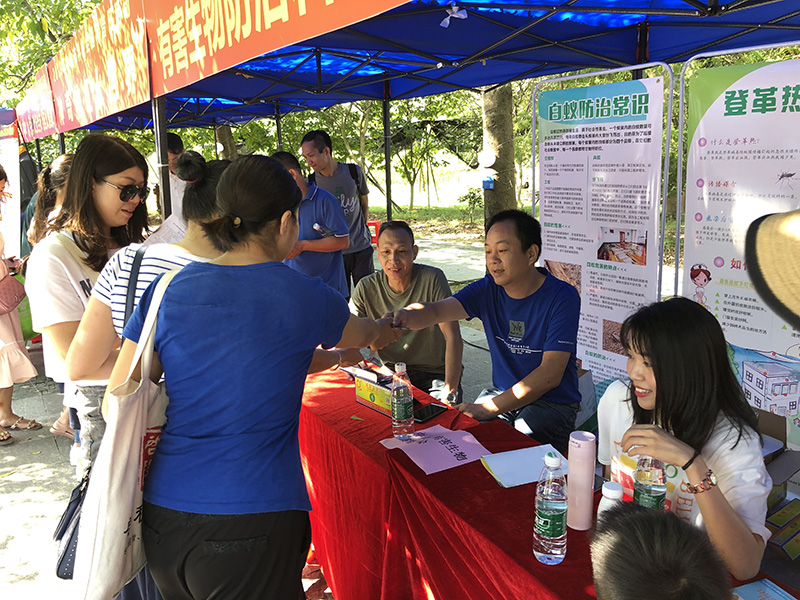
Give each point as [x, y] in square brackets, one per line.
[128, 192]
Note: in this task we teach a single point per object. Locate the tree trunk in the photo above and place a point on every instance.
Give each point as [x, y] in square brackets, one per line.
[498, 138]
[225, 137]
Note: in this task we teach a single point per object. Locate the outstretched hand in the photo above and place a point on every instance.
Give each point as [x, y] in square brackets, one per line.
[388, 334]
[651, 440]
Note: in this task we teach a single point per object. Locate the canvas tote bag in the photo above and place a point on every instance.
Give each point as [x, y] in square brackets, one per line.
[110, 549]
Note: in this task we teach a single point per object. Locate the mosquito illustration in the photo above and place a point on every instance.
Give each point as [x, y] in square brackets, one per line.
[785, 177]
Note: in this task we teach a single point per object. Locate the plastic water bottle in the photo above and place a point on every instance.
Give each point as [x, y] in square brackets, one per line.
[550, 525]
[402, 404]
[612, 495]
[649, 483]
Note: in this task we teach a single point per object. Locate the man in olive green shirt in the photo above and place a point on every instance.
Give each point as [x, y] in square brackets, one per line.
[432, 355]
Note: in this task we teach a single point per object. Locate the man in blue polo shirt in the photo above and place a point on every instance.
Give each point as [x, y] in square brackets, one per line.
[323, 231]
[531, 323]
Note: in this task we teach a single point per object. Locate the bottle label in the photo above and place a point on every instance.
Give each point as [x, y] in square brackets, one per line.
[402, 405]
[551, 524]
[644, 497]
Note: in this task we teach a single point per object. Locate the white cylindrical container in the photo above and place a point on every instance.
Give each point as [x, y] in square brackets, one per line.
[612, 494]
[580, 479]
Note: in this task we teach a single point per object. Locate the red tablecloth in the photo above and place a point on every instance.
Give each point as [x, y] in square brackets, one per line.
[382, 529]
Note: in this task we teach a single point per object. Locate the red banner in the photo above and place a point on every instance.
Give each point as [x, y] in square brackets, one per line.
[103, 69]
[192, 39]
[35, 112]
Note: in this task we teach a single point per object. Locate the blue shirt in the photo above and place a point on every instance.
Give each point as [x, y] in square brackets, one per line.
[323, 208]
[236, 343]
[520, 331]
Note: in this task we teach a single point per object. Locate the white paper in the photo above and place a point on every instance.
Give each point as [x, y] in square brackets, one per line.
[172, 230]
[518, 467]
[436, 448]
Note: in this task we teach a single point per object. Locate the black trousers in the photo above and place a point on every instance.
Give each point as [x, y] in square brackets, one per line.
[358, 265]
[226, 557]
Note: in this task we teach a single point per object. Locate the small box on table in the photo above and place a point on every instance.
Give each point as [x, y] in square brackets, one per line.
[375, 396]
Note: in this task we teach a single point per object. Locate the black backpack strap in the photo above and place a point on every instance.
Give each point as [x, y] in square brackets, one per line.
[353, 173]
[131, 295]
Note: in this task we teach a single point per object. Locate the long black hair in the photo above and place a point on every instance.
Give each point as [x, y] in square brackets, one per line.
[252, 195]
[694, 380]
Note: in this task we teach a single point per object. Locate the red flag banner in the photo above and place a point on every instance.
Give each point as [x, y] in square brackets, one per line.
[35, 112]
[192, 39]
[103, 69]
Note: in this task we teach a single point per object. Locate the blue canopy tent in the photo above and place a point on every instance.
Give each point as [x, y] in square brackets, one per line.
[498, 41]
[408, 52]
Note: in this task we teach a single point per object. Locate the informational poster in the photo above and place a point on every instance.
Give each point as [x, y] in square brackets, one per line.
[600, 179]
[744, 162]
[10, 194]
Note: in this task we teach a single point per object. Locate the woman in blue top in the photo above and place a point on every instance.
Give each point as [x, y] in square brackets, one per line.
[225, 512]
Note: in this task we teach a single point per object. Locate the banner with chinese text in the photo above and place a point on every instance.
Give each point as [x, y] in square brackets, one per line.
[599, 193]
[744, 162]
[103, 69]
[192, 39]
[35, 112]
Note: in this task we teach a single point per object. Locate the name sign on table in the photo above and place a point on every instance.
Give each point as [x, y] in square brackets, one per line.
[436, 449]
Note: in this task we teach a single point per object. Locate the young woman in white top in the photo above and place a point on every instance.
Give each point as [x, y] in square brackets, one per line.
[15, 366]
[684, 406]
[103, 210]
[95, 347]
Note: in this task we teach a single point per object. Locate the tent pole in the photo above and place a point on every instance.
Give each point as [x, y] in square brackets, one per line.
[158, 106]
[387, 150]
[62, 144]
[38, 154]
[278, 125]
[642, 49]
[216, 141]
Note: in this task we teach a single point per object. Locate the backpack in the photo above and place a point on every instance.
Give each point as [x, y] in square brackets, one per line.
[312, 178]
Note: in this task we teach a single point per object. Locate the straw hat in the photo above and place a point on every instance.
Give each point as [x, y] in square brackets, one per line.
[772, 252]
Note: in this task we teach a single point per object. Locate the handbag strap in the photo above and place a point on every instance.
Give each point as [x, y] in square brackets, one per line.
[144, 349]
[130, 296]
[70, 246]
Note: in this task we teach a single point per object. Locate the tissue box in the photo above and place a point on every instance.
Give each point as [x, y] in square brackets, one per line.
[373, 395]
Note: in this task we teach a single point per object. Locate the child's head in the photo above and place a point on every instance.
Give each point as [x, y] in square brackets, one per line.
[700, 275]
[638, 552]
[682, 345]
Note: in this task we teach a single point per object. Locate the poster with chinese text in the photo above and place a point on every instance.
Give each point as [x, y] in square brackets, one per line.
[600, 180]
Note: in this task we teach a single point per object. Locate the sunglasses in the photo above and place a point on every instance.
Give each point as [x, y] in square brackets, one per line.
[128, 192]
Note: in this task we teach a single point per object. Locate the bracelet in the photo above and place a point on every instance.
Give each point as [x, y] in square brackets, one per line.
[339, 364]
[691, 460]
[709, 481]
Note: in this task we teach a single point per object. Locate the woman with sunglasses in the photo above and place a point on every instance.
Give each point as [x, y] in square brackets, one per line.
[103, 210]
[226, 506]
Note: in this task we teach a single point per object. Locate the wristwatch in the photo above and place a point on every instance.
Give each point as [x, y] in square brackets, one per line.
[709, 481]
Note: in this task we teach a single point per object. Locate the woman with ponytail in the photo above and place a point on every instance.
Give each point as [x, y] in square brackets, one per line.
[50, 187]
[226, 507]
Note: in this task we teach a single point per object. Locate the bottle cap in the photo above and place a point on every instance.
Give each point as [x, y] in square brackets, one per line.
[613, 490]
[400, 367]
[552, 460]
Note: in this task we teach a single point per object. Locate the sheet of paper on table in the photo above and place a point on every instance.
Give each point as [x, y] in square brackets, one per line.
[436, 449]
[518, 467]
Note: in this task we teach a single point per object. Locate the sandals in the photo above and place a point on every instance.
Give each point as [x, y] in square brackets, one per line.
[60, 428]
[30, 425]
[5, 438]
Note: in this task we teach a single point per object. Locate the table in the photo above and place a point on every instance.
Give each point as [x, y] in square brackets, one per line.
[382, 529]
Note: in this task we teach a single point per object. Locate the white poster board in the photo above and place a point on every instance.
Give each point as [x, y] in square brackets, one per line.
[10, 221]
[599, 197]
[744, 162]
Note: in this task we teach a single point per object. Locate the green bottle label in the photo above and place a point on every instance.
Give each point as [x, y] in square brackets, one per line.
[551, 524]
[643, 497]
[402, 405]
